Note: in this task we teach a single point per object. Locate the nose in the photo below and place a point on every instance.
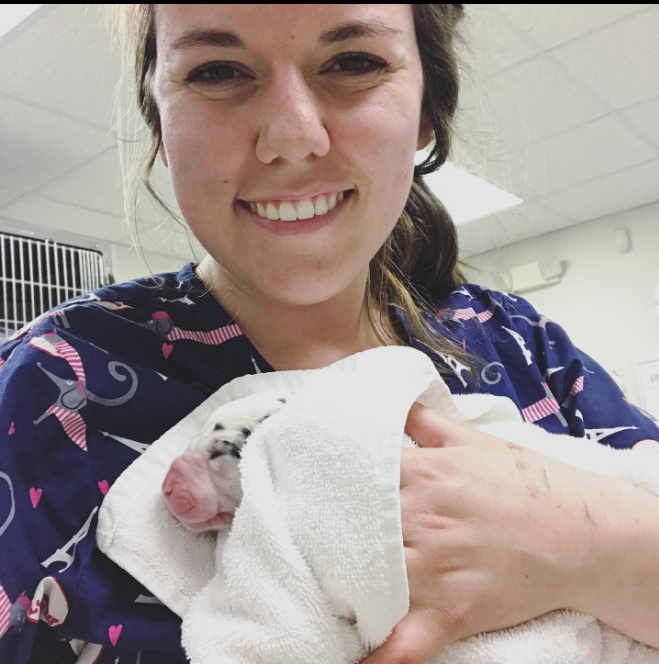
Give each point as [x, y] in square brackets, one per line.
[176, 489]
[168, 485]
[296, 128]
[174, 476]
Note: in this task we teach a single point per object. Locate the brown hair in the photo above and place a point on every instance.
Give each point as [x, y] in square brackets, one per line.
[418, 265]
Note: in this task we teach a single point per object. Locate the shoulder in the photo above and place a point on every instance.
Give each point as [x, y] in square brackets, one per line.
[486, 305]
[148, 294]
[117, 312]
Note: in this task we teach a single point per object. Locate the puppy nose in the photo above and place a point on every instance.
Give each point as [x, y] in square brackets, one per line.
[179, 500]
[174, 476]
[168, 484]
[175, 473]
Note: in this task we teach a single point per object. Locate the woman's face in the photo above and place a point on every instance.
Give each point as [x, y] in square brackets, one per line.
[290, 114]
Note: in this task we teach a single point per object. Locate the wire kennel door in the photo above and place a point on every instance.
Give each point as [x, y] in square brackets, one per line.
[36, 275]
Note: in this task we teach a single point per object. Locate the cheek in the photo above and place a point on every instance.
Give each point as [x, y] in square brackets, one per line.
[225, 477]
[201, 163]
[187, 473]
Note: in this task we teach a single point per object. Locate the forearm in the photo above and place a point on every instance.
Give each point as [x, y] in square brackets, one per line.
[621, 582]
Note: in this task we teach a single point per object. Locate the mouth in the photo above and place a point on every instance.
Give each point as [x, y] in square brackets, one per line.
[299, 226]
[221, 522]
[248, 207]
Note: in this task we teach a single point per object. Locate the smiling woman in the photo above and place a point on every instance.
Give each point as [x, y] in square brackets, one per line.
[349, 75]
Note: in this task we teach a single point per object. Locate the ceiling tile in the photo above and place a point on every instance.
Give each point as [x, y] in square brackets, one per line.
[8, 195]
[542, 220]
[63, 62]
[37, 145]
[644, 117]
[51, 214]
[167, 238]
[532, 101]
[621, 62]
[96, 185]
[593, 150]
[610, 194]
[551, 25]
[490, 45]
[508, 227]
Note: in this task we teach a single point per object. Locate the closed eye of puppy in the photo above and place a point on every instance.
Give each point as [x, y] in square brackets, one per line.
[202, 487]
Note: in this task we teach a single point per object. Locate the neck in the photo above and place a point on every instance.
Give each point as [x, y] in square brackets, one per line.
[292, 336]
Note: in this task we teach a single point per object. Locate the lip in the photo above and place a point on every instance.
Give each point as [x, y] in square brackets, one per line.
[221, 521]
[297, 197]
[300, 226]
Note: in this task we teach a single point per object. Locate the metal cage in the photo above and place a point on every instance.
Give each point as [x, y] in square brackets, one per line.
[36, 275]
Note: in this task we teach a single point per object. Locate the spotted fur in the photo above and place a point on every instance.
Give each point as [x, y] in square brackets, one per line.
[230, 426]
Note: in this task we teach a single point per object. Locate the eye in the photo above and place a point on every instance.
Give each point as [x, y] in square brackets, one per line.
[218, 448]
[372, 65]
[220, 68]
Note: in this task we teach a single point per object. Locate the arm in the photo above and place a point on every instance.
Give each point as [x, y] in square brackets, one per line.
[20, 497]
[53, 475]
[621, 576]
[621, 568]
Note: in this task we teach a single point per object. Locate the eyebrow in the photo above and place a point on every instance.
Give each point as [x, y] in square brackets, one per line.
[227, 39]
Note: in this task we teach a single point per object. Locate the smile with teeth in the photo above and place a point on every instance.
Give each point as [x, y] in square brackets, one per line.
[288, 211]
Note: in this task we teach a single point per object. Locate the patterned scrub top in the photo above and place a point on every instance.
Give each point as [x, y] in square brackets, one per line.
[88, 386]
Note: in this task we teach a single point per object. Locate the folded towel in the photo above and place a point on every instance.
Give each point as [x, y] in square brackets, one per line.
[313, 569]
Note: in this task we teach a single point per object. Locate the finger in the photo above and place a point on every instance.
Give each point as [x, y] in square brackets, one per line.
[427, 428]
[417, 639]
[413, 461]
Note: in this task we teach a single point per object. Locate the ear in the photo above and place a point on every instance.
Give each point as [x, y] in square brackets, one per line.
[163, 154]
[425, 132]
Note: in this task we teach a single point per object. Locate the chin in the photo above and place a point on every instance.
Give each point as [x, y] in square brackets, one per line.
[220, 523]
[304, 291]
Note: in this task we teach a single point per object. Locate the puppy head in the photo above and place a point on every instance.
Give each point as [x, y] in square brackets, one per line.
[202, 488]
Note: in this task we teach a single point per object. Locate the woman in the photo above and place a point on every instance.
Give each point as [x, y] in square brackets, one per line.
[264, 104]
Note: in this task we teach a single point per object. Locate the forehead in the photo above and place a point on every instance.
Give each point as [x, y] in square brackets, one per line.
[182, 28]
[223, 422]
[204, 439]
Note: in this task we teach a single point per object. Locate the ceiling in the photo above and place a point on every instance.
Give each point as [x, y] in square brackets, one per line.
[559, 105]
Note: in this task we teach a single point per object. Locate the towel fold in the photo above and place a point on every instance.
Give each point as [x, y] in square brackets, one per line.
[313, 569]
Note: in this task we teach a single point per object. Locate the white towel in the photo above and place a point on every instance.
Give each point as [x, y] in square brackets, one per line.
[313, 569]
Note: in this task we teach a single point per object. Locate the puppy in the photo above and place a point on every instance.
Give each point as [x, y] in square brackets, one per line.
[202, 487]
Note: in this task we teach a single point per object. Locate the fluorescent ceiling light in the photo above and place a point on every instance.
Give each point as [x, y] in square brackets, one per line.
[12, 15]
[464, 195]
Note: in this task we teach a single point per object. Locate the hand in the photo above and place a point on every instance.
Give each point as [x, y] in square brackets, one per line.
[494, 534]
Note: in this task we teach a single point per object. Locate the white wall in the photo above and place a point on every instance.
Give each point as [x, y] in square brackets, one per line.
[605, 301]
[167, 247]
[120, 259]
[127, 265]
